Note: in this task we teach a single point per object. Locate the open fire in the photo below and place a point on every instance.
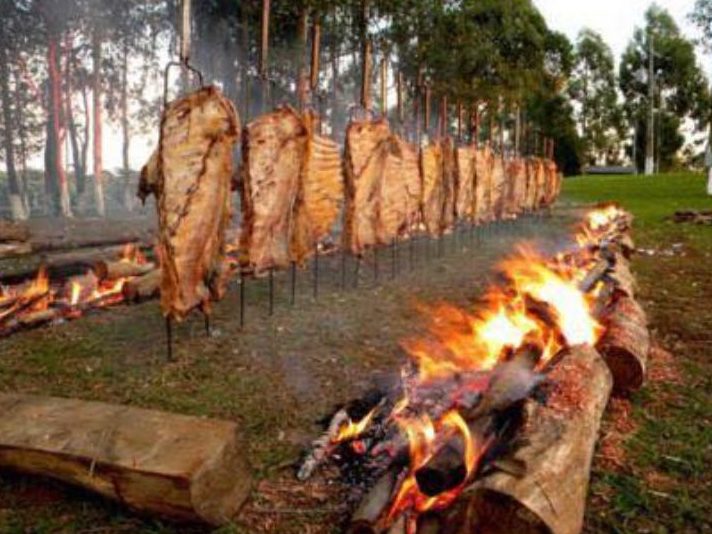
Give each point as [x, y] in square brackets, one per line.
[452, 414]
[40, 301]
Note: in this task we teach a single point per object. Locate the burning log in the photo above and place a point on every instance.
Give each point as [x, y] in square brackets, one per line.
[114, 270]
[512, 383]
[626, 344]
[181, 467]
[559, 440]
[143, 287]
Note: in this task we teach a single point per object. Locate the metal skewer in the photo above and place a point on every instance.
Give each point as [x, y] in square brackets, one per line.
[169, 339]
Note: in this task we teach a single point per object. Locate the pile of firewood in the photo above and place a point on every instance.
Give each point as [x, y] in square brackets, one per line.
[501, 449]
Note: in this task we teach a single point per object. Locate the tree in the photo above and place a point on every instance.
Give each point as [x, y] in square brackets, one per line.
[593, 87]
[15, 193]
[680, 86]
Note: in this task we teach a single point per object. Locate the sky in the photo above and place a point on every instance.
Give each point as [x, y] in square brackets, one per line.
[615, 20]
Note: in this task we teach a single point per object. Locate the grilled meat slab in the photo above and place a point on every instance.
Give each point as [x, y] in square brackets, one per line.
[320, 195]
[465, 174]
[365, 157]
[190, 174]
[273, 153]
[431, 169]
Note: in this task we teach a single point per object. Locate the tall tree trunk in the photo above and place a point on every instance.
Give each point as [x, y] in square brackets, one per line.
[125, 133]
[97, 105]
[85, 139]
[54, 170]
[15, 196]
[71, 124]
[22, 135]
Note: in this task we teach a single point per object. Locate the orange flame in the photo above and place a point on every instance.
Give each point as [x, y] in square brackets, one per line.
[350, 430]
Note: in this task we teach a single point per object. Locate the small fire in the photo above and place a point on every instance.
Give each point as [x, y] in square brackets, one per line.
[75, 293]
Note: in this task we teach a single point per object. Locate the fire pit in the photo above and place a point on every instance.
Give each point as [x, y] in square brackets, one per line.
[493, 425]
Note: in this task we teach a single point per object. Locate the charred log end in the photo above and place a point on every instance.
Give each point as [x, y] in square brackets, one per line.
[361, 527]
[492, 512]
[447, 470]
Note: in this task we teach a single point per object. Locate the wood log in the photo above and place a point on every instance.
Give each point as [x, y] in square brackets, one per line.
[143, 287]
[373, 505]
[12, 231]
[558, 443]
[113, 270]
[14, 249]
[180, 467]
[60, 266]
[625, 344]
[622, 277]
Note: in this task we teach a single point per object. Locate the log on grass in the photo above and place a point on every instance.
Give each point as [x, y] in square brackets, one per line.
[625, 344]
[113, 270]
[622, 277]
[143, 287]
[558, 444]
[180, 467]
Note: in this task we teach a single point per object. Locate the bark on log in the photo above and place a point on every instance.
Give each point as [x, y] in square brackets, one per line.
[10, 231]
[625, 344]
[14, 248]
[373, 505]
[113, 270]
[61, 266]
[143, 287]
[622, 277]
[184, 468]
[559, 442]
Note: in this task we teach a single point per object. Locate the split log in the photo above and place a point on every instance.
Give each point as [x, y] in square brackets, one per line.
[143, 287]
[184, 468]
[113, 270]
[558, 444]
[625, 344]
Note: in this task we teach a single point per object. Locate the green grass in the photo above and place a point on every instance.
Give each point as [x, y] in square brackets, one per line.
[652, 199]
[665, 485]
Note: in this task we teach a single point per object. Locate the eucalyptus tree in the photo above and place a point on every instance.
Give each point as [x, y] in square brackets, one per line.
[593, 88]
[680, 85]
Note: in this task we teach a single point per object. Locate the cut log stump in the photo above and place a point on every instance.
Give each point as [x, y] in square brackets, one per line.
[179, 467]
[558, 444]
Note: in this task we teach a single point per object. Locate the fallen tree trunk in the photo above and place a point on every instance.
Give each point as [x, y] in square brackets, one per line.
[625, 344]
[559, 439]
[180, 467]
[143, 287]
[113, 270]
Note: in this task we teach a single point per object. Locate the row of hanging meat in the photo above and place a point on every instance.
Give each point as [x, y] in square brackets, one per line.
[296, 188]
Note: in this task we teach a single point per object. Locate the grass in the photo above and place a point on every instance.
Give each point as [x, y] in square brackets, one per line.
[665, 484]
[278, 375]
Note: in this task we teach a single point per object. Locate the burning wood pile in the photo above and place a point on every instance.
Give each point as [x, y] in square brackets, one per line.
[108, 282]
[493, 425]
